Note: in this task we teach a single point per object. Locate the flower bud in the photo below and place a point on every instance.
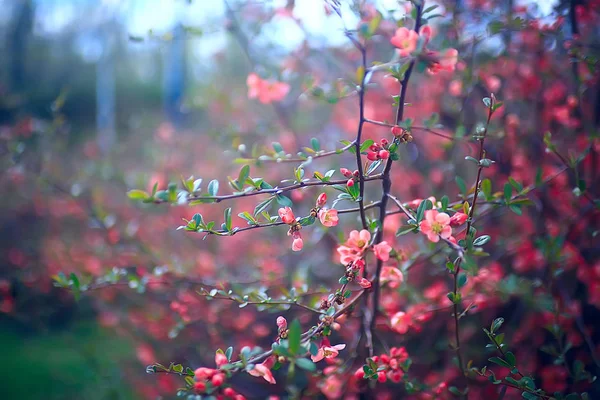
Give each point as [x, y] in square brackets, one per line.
[384, 142]
[372, 156]
[346, 172]
[397, 131]
[350, 183]
[281, 323]
[321, 200]
[384, 154]
[220, 359]
[218, 379]
[458, 219]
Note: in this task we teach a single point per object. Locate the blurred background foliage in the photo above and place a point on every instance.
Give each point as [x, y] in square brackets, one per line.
[99, 97]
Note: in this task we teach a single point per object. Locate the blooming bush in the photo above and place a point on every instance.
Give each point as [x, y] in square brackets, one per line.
[449, 250]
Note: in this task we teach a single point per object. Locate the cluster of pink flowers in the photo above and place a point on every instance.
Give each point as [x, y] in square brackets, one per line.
[352, 176]
[287, 217]
[266, 91]
[216, 378]
[327, 216]
[407, 43]
[355, 247]
[390, 366]
[379, 151]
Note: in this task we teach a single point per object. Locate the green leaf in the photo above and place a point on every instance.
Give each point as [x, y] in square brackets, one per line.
[248, 217]
[284, 201]
[263, 205]
[277, 147]
[510, 357]
[374, 165]
[243, 175]
[496, 324]
[366, 144]
[306, 364]
[136, 194]
[228, 353]
[403, 230]
[507, 192]
[499, 361]
[518, 187]
[487, 101]
[228, 218]
[516, 209]
[314, 143]
[213, 188]
[294, 337]
[462, 280]
[486, 188]
[462, 186]
[481, 240]
[423, 206]
[531, 396]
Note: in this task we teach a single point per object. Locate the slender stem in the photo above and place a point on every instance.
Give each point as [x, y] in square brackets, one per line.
[357, 142]
[320, 154]
[265, 303]
[419, 128]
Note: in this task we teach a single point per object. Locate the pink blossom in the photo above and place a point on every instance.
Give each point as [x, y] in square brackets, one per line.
[328, 352]
[364, 283]
[266, 91]
[354, 247]
[264, 370]
[425, 32]
[392, 276]
[382, 250]
[287, 215]
[332, 387]
[405, 40]
[436, 224]
[329, 217]
[297, 244]
[400, 322]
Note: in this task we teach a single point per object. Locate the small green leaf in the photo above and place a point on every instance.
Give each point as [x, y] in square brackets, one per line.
[423, 206]
[243, 175]
[507, 192]
[213, 188]
[462, 186]
[306, 364]
[314, 142]
[284, 201]
[263, 205]
[499, 361]
[496, 324]
[481, 240]
[227, 215]
[277, 147]
[366, 144]
[137, 194]
[294, 337]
